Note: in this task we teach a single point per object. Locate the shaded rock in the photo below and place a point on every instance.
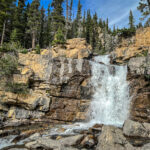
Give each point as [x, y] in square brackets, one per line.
[88, 142]
[69, 109]
[112, 138]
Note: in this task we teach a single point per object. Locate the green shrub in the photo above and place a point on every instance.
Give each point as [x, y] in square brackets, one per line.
[17, 88]
[8, 65]
[37, 49]
[24, 51]
[59, 38]
[10, 47]
[127, 32]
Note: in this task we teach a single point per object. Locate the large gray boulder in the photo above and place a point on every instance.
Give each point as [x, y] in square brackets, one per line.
[136, 129]
[112, 138]
[139, 65]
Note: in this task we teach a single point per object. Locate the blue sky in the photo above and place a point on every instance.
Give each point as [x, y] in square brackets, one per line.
[116, 10]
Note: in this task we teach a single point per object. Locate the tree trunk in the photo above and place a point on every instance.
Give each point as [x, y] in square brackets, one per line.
[3, 33]
[33, 40]
[148, 1]
[67, 18]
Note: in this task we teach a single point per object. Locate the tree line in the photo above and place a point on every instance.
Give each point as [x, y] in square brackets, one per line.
[30, 25]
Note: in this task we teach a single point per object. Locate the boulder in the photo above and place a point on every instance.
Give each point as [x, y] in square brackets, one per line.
[112, 138]
[139, 65]
[136, 129]
[47, 143]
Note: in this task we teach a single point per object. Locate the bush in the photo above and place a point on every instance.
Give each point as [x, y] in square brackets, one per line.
[17, 88]
[24, 51]
[37, 49]
[127, 32]
[59, 38]
[10, 47]
[8, 65]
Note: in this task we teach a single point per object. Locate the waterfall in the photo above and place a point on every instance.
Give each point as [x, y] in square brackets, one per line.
[111, 100]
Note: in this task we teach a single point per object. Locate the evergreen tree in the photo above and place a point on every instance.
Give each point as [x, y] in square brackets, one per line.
[19, 21]
[27, 36]
[34, 21]
[144, 7]
[70, 13]
[5, 14]
[84, 26]
[59, 37]
[41, 40]
[48, 39]
[131, 21]
[88, 27]
[57, 15]
[78, 21]
[95, 34]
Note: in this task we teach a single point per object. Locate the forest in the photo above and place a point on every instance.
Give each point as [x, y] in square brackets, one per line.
[28, 25]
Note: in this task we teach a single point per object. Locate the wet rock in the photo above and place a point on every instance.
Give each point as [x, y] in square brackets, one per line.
[47, 143]
[88, 142]
[35, 136]
[112, 138]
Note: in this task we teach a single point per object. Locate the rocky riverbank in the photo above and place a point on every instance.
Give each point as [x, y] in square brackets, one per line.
[59, 92]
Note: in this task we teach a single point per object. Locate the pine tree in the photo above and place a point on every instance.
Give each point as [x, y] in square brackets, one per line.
[5, 14]
[34, 21]
[27, 36]
[94, 32]
[57, 15]
[131, 21]
[59, 37]
[41, 40]
[144, 7]
[88, 27]
[70, 11]
[48, 35]
[19, 21]
[84, 26]
[78, 21]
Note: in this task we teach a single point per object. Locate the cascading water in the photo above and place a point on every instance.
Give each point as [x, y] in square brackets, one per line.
[110, 102]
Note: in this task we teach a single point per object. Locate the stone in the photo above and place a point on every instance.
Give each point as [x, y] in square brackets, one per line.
[136, 129]
[112, 138]
[35, 136]
[137, 45]
[76, 48]
[139, 65]
[18, 113]
[88, 142]
[47, 143]
[145, 147]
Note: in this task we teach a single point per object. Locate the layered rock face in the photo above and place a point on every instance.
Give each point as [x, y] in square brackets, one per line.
[135, 52]
[138, 45]
[58, 88]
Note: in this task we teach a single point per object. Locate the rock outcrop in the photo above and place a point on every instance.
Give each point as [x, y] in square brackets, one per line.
[74, 48]
[138, 45]
[58, 87]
